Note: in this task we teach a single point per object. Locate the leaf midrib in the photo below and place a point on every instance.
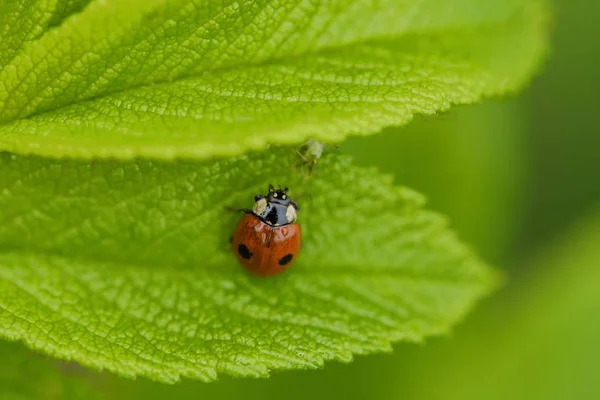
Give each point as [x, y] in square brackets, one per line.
[215, 270]
[322, 325]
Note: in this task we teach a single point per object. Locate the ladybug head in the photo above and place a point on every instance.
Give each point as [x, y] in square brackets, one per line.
[278, 196]
[276, 207]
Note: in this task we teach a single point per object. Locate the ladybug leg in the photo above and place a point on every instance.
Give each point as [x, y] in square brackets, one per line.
[237, 210]
[227, 246]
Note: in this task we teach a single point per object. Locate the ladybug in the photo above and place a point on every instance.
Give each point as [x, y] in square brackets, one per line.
[266, 241]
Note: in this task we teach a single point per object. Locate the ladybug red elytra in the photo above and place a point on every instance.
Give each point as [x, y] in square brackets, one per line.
[267, 239]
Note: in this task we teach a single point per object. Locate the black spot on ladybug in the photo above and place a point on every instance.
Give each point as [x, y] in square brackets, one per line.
[285, 259]
[271, 217]
[244, 251]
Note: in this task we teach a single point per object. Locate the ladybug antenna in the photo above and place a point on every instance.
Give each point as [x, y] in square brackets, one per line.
[271, 188]
[285, 190]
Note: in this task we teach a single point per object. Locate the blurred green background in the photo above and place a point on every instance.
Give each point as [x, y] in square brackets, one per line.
[520, 180]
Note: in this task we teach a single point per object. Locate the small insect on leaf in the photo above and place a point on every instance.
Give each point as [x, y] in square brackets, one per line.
[310, 152]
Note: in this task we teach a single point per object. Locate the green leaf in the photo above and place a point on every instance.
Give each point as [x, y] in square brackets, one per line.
[127, 267]
[124, 78]
[24, 21]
